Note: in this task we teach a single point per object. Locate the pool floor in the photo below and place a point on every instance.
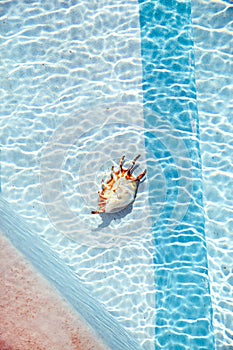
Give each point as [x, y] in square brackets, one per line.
[83, 84]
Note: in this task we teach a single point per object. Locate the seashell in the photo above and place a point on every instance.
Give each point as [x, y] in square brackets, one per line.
[120, 191]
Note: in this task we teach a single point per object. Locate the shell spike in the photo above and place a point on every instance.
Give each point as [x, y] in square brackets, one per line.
[133, 163]
[96, 212]
[121, 162]
[141, 175]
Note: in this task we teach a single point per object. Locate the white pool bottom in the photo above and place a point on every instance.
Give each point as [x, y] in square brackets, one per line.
[59, 62]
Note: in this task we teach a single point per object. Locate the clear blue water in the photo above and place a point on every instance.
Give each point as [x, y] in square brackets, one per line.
[180, 254]
[82, 84]
[212, 30]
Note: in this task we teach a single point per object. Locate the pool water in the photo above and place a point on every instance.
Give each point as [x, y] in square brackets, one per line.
[212, 30]
[68, 73]
[84, 82]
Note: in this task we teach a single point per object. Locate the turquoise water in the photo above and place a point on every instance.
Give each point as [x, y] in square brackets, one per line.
[83, 83]
[67, 73]
[180, 252]
[212, 29]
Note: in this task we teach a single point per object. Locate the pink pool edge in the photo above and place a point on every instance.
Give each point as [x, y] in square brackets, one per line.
[32, 314]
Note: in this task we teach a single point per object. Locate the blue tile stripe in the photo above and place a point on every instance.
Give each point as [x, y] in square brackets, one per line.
[183, 304]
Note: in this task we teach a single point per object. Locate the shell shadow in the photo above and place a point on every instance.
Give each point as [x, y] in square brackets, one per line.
[107, 218]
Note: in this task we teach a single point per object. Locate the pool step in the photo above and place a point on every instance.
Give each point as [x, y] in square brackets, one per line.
[64, 279]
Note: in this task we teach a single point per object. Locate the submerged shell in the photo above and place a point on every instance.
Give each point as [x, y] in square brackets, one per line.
[120, 190]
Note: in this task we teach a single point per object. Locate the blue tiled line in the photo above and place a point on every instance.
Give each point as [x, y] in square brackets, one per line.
[64, 279]
[183, 304]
